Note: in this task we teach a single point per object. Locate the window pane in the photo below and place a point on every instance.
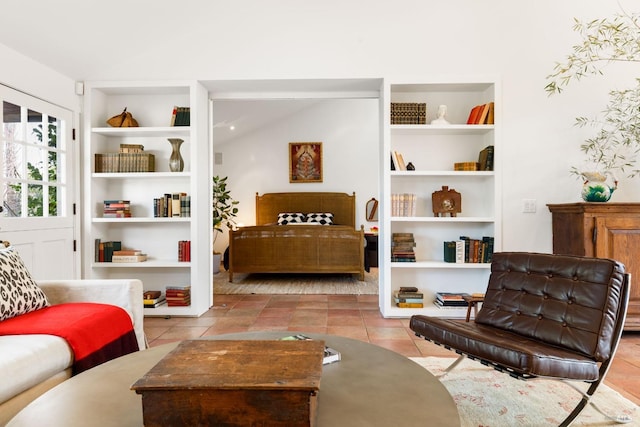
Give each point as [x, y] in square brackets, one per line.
[53, 204]
[53, 133]
[12, 160]
[11, 126]
[35, 200]
[53, 166]
[35, 163]
[35, 127]
[12, 193]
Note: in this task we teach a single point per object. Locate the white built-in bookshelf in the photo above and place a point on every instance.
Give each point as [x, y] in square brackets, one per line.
[151, 104]
[433, 150]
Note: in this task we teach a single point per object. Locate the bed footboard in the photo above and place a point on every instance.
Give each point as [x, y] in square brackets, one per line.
[296, 249]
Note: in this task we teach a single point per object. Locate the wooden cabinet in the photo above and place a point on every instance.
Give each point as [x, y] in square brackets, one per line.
[603, 230]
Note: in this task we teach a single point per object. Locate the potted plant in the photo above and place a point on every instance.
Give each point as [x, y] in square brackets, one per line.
[616, 144]
[224, 209]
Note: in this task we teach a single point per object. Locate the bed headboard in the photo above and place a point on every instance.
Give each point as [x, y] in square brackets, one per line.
[341, 205]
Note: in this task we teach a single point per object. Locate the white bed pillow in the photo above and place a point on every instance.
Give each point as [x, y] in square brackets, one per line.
[323, 218]
[285, 218]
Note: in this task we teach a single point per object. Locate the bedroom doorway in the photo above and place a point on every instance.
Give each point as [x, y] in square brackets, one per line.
[253, 122]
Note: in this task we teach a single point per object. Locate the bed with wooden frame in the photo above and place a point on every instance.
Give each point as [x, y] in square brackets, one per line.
[301, 248]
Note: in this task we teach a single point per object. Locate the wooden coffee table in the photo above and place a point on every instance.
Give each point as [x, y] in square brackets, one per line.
[370, 386]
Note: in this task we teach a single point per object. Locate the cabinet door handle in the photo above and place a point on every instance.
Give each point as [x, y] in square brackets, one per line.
[594, 235]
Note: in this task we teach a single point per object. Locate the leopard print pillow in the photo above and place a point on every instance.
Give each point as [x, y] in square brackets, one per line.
[19, 293]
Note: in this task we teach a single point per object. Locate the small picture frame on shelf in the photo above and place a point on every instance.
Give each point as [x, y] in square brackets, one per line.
[305, 162]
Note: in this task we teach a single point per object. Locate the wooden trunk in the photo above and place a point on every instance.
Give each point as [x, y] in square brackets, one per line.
[234, 383]
[603, 230]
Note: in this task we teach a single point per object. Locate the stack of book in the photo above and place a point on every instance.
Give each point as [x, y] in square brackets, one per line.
[128, 255]
[402, 245]
[172, 205]
[330, 355]
[153, 299]
[116, 209]
[450, 299]
[466, 166]
[408, 297]
[178, 296]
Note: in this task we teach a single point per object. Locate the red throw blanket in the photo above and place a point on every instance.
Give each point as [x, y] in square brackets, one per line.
[95, 332]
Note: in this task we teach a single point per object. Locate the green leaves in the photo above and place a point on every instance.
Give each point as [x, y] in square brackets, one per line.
[616, 144]
[223, 206]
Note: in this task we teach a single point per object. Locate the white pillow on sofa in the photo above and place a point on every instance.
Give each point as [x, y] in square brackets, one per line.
[19, 293]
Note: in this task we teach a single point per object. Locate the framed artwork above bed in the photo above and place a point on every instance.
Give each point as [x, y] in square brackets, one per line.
[305, 162]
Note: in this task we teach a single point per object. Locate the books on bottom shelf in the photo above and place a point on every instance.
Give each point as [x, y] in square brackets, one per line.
[153, 299]
[178, 296]
[451, 299]
[331, 355]
[140, 257]
[408, 297]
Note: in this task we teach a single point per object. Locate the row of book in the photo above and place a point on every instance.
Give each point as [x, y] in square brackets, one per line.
[124, 162]
[181, 116]
[402, 245]
[172, 205]
[482, 114]
[116, 209]
[397, 162]
[112, 251]
[408, 297]
[408, 113]
[403, 204]
[184, 250]
[129, 158]
[468, 250]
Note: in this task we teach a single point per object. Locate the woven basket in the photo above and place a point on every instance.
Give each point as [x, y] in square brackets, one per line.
[123, 120]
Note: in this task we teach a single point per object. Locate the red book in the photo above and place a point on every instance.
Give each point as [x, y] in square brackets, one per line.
[474, 114]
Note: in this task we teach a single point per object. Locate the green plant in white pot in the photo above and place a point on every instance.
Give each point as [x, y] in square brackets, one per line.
[224, 209]
[614, 148]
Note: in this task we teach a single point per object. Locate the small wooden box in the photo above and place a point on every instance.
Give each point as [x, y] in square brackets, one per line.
[234, 383]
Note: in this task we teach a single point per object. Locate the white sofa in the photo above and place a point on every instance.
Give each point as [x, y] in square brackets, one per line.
[32, 364]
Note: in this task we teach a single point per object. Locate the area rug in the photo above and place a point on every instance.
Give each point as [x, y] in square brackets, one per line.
[332, 284]
[488, 398]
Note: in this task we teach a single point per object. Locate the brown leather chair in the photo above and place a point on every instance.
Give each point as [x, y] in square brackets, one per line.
[544, 316]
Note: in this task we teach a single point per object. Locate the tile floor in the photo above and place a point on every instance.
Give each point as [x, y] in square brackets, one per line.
[353, 316]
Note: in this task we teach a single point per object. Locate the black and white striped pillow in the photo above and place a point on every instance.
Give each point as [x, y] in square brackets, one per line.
[285, 218]
[324, 218]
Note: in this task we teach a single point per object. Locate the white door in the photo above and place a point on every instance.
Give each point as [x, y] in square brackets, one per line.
[38, 184]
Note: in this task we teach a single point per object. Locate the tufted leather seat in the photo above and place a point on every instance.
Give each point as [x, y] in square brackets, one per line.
[543, 316]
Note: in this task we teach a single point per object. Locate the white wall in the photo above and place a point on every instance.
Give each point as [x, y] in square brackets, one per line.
[258, 162]
[23, 74]
[520, 41]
